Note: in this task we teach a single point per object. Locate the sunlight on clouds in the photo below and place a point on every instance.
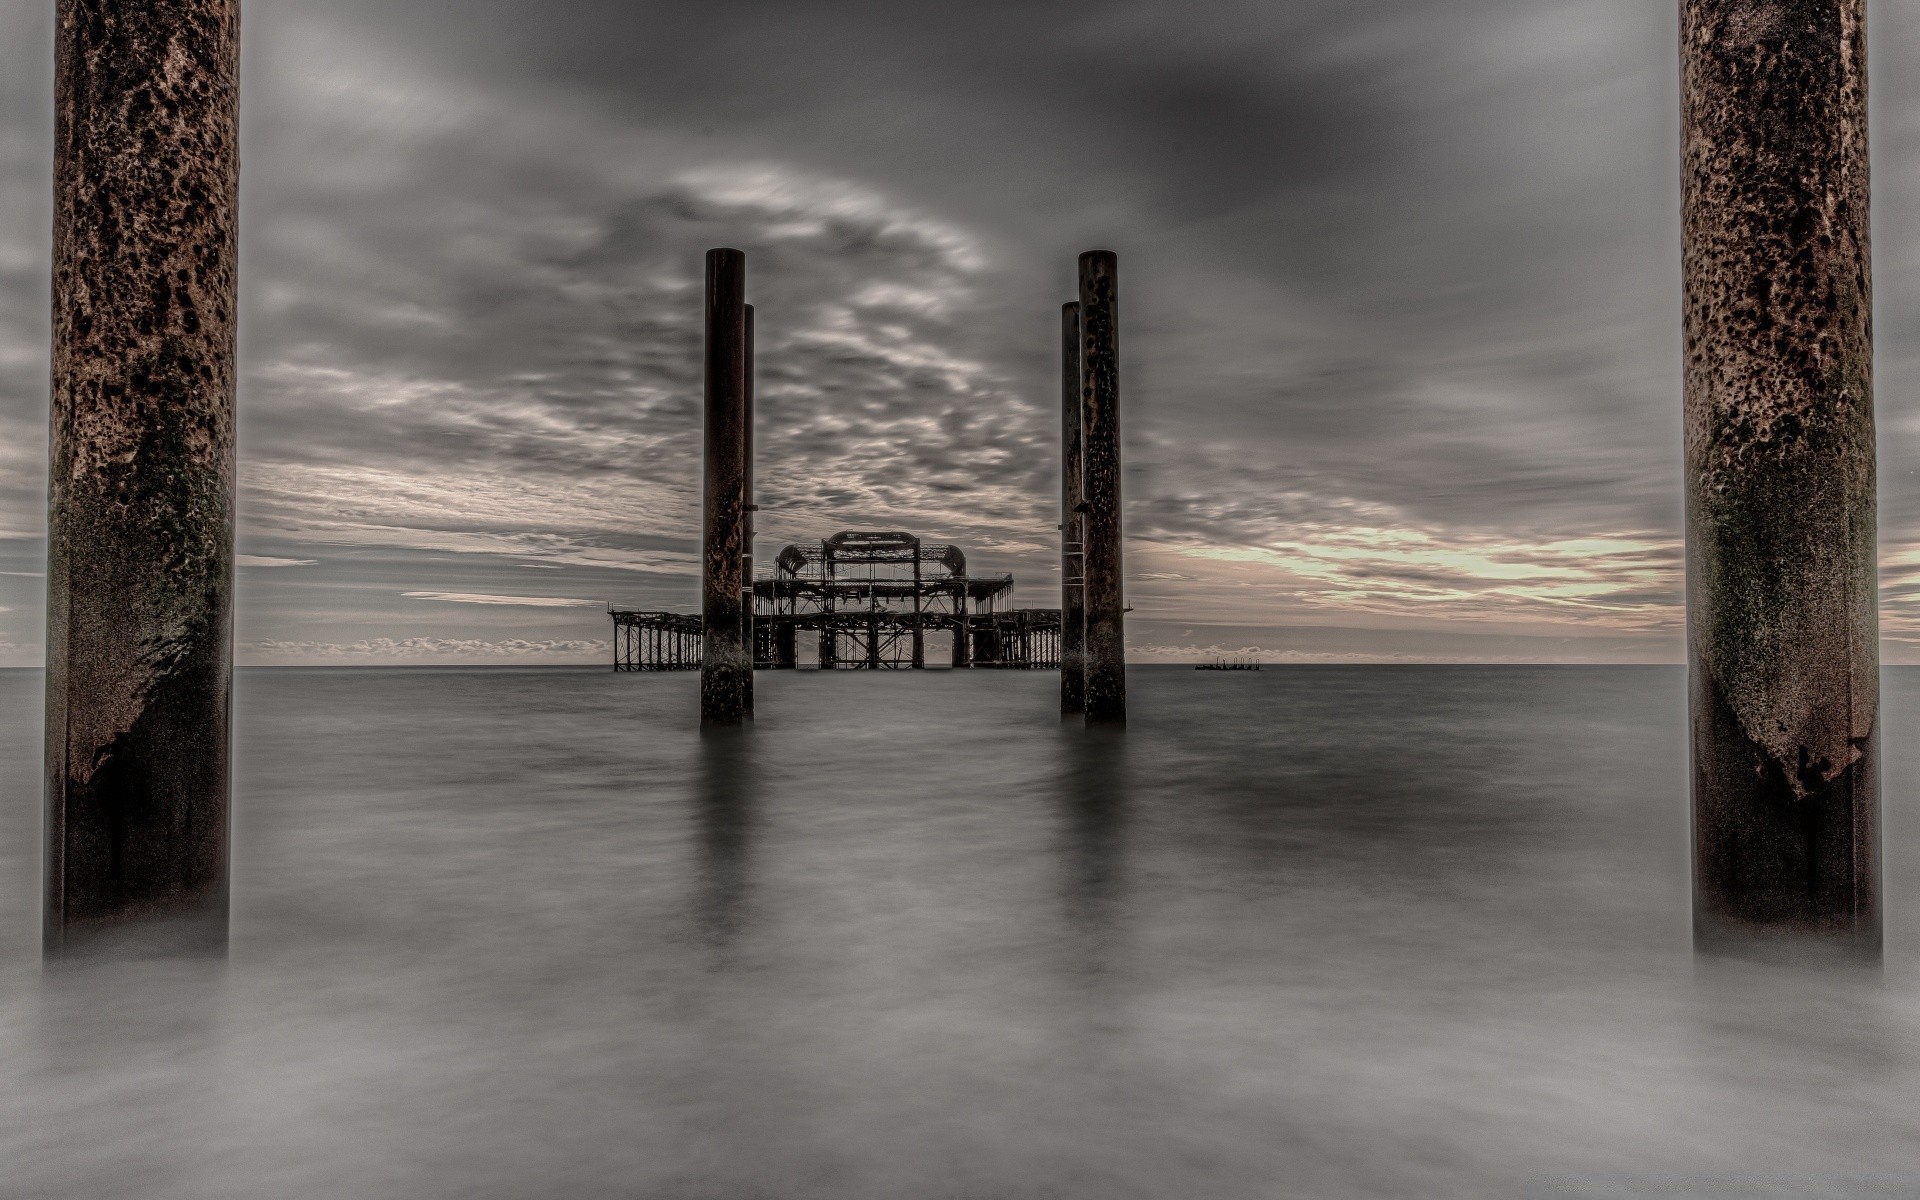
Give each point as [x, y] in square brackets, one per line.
[272, 652]
[801, 204]
[1628, 583]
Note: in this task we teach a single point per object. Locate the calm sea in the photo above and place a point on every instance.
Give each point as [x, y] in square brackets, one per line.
[1314, 931]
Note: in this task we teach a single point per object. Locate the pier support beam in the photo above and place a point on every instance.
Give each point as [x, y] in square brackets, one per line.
[747, 509]
[1073, 607]
[1105, 596]
[726, 662]
[140, 520]
[1782, 613]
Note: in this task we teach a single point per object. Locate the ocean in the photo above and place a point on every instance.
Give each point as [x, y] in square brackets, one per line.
[1315, 931]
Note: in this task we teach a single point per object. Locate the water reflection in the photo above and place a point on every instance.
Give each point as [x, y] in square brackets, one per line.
[724, 818]
[1357, 933]
[1093, 799]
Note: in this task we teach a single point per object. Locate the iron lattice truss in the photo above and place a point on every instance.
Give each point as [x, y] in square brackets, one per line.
[869, 600]
[655, 641]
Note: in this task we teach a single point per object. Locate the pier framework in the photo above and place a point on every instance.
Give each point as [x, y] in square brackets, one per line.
[869, 601]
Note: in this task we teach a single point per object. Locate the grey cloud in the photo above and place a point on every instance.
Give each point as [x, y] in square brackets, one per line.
[1406, 269]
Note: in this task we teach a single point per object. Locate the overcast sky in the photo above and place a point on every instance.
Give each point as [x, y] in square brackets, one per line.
[1399, 310]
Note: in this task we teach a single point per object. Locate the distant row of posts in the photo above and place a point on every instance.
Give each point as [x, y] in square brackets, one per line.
[1093, 641]
[1781, 570]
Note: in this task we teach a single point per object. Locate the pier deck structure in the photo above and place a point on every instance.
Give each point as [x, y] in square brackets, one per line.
[869, 600]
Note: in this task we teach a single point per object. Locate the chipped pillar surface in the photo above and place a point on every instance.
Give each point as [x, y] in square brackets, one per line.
[726, 666]
[140, 517]
[1782, 617]
[747, 509]
[1073, 609]
[1106, 640]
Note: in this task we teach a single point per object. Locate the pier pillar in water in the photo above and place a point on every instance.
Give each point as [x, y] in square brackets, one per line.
[1073, 608]
[726, 661]
[140, 518]
[747, 508]
[1782, 583]
[1103, 589]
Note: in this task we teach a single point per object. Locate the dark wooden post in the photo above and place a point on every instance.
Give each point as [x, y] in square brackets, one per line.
[140, 519]
[747, 509]
[1782, 581]
[1073, 596]
[1105, 593]
[726, 665]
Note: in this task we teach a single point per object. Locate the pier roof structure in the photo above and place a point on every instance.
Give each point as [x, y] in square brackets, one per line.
[868, 599]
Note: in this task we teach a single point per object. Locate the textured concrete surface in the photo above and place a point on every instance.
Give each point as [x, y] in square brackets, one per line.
[140, 555]
[1781, 565]
[1106, 644]
[725, 666]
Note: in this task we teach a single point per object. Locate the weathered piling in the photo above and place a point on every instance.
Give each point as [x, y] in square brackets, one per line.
[1073, 607]
[1782, 617]
[140, 518]
[726, 662]
[747, 509]
[1104, 593]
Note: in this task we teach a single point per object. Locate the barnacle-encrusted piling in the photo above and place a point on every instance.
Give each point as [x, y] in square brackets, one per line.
[726, 665]
[1073, 606]
[1781, 573]
[1105, 597]
[140, 519]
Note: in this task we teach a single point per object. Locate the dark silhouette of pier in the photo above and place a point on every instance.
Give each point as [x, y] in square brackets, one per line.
[870, 601]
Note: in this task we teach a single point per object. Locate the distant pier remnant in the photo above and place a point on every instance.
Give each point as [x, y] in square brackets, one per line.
[1104, 592]
[1073, 597]
[726, 664]
[872, 596]
[655, 641]
[140, 522]
[1782, 616]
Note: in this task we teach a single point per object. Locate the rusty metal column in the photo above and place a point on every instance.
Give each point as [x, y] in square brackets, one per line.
[1782, 580]
[962, 628]
[747, 509]
[1073, 596]
[1106, 639]
[140, 518]
[919, 619]
[726, 667]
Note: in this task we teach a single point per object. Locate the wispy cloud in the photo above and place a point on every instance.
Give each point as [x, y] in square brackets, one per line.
[483, 598]
[266, 560]
[422, 649]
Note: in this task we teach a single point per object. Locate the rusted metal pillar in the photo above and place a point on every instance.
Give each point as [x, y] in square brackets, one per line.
[1073, 596]
[1782, 581]
[140, 520]
[747, 510]
[1105, 595]
[726, 664]
[962, 627]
